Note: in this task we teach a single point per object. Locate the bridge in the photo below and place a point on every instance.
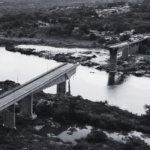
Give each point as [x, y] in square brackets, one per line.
[127, 48]
[24, 93]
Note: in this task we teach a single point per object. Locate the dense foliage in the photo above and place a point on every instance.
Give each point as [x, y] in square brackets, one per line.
[63, 20]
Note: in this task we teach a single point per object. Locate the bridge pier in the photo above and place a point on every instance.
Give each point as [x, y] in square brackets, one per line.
[138, 47]
[125, 52]
[133, 48]
[130, 50]
[61, 88]
[9, 118]
[69, 88]
[113, 58]
[111, 78]
[27, 107]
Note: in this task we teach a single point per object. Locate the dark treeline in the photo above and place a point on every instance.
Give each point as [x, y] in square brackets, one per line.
[63, 21]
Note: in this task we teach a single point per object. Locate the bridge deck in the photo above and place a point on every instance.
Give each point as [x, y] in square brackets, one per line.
[30, 87]
[125, 43]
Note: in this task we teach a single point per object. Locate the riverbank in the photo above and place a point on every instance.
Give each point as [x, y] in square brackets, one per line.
[136, 64]
[54, 111]
[51, 41]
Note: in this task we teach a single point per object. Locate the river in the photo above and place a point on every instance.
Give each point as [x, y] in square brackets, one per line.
[132, 93]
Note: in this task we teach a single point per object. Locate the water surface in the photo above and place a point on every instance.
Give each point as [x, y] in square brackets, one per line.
[132, 93]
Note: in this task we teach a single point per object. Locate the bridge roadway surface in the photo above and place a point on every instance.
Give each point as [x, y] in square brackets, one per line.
[30, 87]
[123, 44]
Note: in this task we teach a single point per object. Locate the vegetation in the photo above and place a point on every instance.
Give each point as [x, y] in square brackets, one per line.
[77, 22]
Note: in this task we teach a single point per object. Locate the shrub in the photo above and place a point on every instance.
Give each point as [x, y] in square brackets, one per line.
[97, 136]
[101, 40]
[125, 37]
[81, 146]
[32, 35]
[92, 36]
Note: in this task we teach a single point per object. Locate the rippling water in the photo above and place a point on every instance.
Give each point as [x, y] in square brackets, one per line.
[131, 93]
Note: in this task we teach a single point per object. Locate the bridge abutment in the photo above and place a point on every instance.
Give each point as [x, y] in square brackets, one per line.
[9, 118]
[27, 107]
[61, 88]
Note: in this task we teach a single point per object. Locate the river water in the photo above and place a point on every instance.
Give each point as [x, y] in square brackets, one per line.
[132, 93]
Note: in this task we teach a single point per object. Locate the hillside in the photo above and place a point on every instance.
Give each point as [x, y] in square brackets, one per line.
[62, 2]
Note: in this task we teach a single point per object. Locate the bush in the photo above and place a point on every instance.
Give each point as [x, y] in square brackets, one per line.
[125, 37]
[97, 136]
[21, 34]
[101, 40]
[135, 143]
[32, 35]
[92, 36]
[143, 49]
[81, 146]
[147, 109]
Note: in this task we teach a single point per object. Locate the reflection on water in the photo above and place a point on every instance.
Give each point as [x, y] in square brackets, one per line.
[68, 133]
[123, 137]
[90, 83]
[116, 79]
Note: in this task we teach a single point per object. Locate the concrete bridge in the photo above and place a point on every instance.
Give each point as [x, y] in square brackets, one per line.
[127, 48]
[25, 92]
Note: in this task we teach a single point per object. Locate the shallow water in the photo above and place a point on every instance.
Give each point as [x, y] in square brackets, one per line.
[64, 132]
[131, 93]
[122, 137]
[81, 131]
[54, 50]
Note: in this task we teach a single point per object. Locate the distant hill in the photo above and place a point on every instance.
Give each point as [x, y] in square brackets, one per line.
[66, 1]
[23, 5]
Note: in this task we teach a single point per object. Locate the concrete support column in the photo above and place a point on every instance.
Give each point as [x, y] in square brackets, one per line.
[113, 59]
[69, 88]
[27, 107]
[9, 118]
[111, 78]
[138, 47]
[61, 88]
[130, 50]
[125, 52]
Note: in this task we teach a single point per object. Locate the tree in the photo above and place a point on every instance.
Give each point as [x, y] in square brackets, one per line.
[16, 23]
[92, 36]
[84, 29]
[147, 109]
[7, 25]
[101, 39]
[119, 28]
[21, 34]
[45, 18]
[100, 27]
[32, 35]
[9, 32]
[125, 37]
[143, 49]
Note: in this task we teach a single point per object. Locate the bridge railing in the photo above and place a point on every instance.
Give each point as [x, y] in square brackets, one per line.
[129, 42]
[111, 45]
